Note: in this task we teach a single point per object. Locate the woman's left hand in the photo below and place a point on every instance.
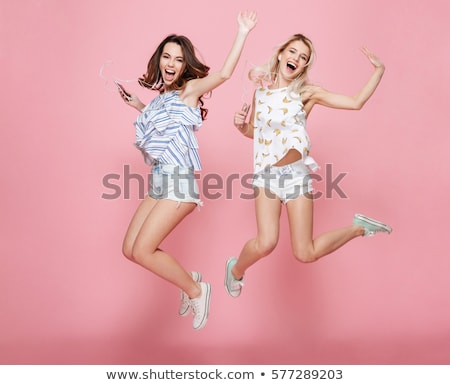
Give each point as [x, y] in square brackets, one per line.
[247, 21]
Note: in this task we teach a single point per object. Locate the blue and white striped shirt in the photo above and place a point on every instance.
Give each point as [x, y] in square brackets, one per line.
[165, 131]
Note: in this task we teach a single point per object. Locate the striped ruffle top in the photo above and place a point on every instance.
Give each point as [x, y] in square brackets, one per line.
[165, 131]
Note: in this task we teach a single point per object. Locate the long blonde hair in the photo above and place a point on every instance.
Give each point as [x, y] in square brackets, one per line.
[267, 73]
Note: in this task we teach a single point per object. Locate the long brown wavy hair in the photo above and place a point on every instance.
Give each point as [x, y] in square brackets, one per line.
[193, 68]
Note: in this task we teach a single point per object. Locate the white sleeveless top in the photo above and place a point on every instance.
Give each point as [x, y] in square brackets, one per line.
[279, 125]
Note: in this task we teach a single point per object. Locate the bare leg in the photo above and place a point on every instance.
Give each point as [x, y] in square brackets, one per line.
[305, 248]
[151, 224]
[143, 210]
[268, 210]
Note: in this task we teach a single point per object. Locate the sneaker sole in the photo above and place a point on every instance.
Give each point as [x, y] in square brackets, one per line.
[373, 222]
[208, 300]
[197, 277]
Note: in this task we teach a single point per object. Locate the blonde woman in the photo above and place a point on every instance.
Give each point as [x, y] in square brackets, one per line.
[282, 102]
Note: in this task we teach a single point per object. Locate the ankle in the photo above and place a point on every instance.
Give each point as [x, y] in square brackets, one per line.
[359, 230]
[236, 274]
[195, 292]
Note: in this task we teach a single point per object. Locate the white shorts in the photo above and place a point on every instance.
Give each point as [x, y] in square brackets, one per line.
[285, 182]
[173, 182]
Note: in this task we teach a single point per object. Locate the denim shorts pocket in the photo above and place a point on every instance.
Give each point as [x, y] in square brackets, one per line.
[188, 186]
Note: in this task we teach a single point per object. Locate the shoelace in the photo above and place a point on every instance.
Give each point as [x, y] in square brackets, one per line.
[236, 285]
[185, 299]
[369, 233]
[195, 305]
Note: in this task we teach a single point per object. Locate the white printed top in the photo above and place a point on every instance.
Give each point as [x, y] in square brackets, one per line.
[279, 125]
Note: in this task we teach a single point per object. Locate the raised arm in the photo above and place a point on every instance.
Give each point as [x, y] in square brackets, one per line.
[198, 87]
[317, 95]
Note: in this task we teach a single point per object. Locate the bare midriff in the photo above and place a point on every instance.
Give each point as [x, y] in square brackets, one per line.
[291, 156]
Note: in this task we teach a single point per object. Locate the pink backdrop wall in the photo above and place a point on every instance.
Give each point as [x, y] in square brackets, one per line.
[66, 293]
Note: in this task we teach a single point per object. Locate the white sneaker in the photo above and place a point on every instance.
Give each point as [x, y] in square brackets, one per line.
[200, 306]
[185, 305]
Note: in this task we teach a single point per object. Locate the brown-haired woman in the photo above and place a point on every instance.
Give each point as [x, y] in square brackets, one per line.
[165, 134]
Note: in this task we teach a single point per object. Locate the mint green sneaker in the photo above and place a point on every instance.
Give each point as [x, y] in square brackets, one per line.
[371, 226]
[185, 305]
[232, 285]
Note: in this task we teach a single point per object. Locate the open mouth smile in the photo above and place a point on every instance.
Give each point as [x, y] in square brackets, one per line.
[291, 65]
[169, 75]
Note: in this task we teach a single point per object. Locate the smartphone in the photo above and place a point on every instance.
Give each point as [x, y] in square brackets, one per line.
[122, 90]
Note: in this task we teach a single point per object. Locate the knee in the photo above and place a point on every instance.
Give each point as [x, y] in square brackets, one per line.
[304, 255]
[130, 252]
[266, 246]
[138, 255]
[127, 252]
[137, 252]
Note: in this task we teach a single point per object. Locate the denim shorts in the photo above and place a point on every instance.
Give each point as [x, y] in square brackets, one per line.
[285, 182]
[173, 182]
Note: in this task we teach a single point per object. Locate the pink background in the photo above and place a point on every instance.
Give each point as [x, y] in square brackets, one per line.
[68, 296]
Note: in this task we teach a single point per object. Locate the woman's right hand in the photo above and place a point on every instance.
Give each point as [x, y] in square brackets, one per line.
[240, 117]
[132, 100]
[376, 62]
